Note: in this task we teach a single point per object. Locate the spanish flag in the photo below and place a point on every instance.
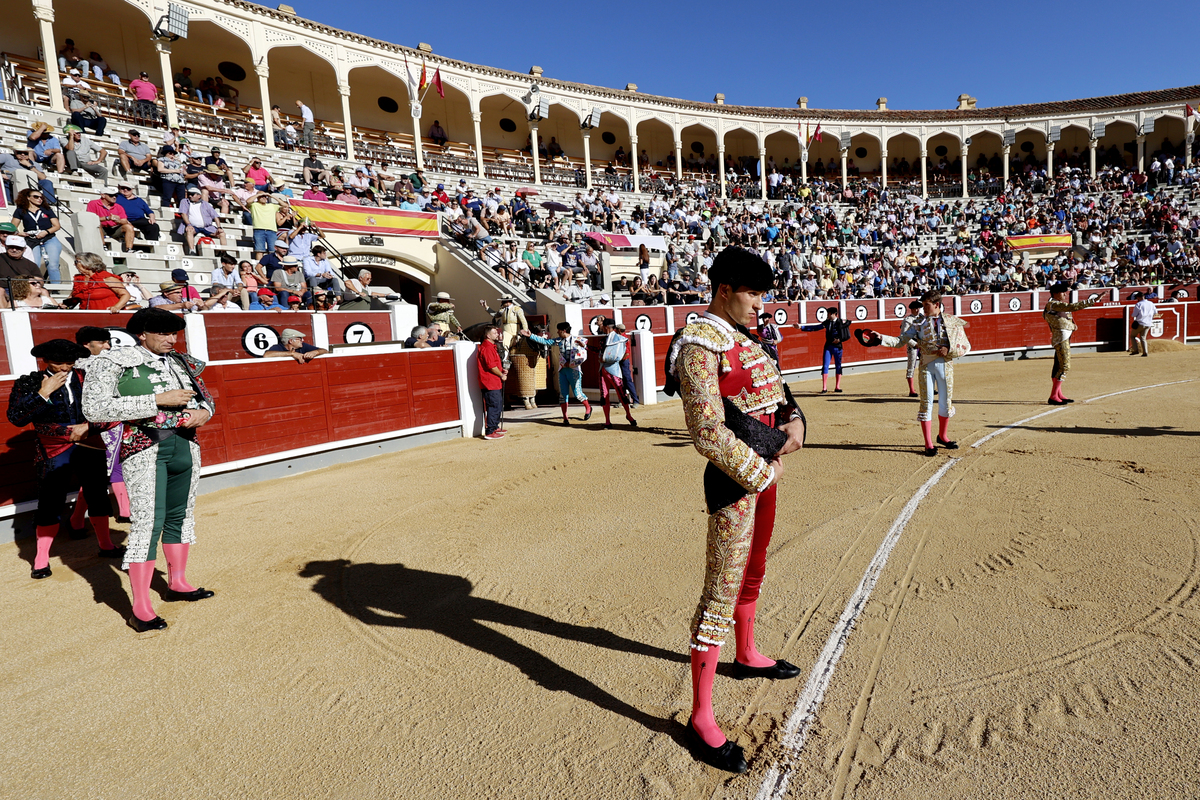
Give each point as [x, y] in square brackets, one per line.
[1057, 241]
[346, 218]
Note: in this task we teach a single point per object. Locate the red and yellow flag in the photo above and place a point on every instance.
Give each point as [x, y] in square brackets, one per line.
[424, 78]
[1059, 241]
[346, 218]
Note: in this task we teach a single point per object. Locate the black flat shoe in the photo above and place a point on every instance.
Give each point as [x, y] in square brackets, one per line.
[608, 426]
[780, 670]
[728, 757]
[1053, 402]
[913, 394]
[837, 391]
[141, 626]
[632, 422]
[566, 422]
[1068, 400]
[116, 552]
[824, 391]
[79, 533]
[38, 574]
[191, 597]
[931, 451]
[587, 416]
[947, 445]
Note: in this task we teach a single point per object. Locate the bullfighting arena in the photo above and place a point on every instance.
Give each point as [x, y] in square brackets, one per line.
[509, 620]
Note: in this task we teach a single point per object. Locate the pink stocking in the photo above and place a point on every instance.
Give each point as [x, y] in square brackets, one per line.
[825, 382]
[911, 388]
[80, 510]
[743, 631]
[563, 406]
[45, 538]
[177, 556]
[927, 432]
[122, 496]
[837, 382]
[140, 575]
[1056, 390]
[607, 418]
[704, 668]
[943, 426]
[100, 525]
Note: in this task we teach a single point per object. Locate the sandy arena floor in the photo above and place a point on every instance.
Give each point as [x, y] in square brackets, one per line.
[509, 619]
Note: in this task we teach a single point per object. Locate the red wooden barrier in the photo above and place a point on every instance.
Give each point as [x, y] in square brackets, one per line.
[359, 327]
[684, 314]
[49, 325]
[862, 310]
[5, 365]
[1016, 301]
[589, 327]
[18, 481]
[229, 333]
[973, 304]
[644, 318]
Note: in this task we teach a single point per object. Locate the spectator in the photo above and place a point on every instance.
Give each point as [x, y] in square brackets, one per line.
[174, 182]
[70, 58]
[86, 113]
[580, 292]
[14, 266]
[410, 204]
[265, 219]
[226, 275]
[137, 211]
[133, 285]
[213, 188]
[313, 170]
[274, 260]
[214, 157]
[259, 174]
[264, 300]
[419, 338]
[172, 299]
[357, 296]
[251, 276]
[134, 154]
[434, 331]
[292, 345]
[318, 272]
[437, 133]
[288, 281]
[113, 223]
[101, 69]
[278, 129]
[84, 154]
[346, 196]
[145, 94]
[30, 295]
[39, 225]
[95, 288]
[45, 146]
[309, 125]
[418, 180]
[226, 92]
[221, 299]
[19, 168]
[197, 216]
[313, 192]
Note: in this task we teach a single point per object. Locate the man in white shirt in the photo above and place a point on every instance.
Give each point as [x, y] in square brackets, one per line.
[1143, 315]
[309, 124]
[226, 275]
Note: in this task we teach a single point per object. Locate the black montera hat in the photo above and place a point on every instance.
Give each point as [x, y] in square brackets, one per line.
[90, 333]
[1061, 286]
[154, 320]
[736, 267]
[62, 351]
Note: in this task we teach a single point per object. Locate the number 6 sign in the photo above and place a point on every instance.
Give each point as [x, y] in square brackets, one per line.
[258, 339]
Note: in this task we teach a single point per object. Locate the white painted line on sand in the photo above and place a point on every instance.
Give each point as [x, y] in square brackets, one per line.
[1018, 423]
[1138, 389]
[775, 784]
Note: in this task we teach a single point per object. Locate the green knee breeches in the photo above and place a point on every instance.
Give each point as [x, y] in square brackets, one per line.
[172, 480]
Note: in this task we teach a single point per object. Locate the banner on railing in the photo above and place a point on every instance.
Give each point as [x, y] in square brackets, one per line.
[1058, 241]
[368, 219]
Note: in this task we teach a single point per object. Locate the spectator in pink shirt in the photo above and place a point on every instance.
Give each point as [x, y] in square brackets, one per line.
[314, 192]
[113, 222]
[146, 95]
[261, 176]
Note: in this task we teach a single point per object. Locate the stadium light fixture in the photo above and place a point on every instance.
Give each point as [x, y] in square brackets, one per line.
[592, 120]
[174, 24]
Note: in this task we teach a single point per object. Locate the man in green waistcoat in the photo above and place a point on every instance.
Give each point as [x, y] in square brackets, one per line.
[160, 397]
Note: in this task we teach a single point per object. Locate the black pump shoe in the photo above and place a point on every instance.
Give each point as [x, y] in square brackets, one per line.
[38, 574]
[931, 451]
[947, 445]
[142, 626]
[192, 596]
[115, 552]
[728, 757]
[780, 670]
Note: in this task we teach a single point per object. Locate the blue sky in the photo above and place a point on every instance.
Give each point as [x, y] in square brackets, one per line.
[919, 55]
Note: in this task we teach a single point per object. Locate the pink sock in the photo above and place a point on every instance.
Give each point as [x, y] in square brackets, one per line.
[140, 575]
[825, 382]
[122, 495]
[177, 556]
[587, 407]
[943, 426]
[80, 510]
[927, 432]
[743, 632]
[45, 538]
[100, 525]
[837, 382]
[911, 388]
[704, 668]
[1056, 391]
[607, 417]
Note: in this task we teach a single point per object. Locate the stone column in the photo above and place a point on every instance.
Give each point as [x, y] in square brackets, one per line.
[678, 160]
[537, 161]
[44, 12]
[1092, 145]
[1049, 160]
[168, 80]
[964, 170]
[347, 125]
[476, 118]
[264, 92]
[924, 170]
[721, 167]
[1187, 152]
[587, 158]
[633, 145]
[844, 181]
[762, 171]
[414, 110]
[883, 170]
[804, 165]
[1141, 154]
[1006, 151]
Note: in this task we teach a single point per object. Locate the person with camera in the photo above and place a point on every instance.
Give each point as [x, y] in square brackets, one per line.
[728, 383]
[159, 395]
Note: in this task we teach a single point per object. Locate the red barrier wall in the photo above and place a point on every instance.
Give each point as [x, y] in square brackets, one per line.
[379, 322]
[5, 366]
[645, 318]
[681, 313]
[18, 481]
[49, 325]
[225, 331]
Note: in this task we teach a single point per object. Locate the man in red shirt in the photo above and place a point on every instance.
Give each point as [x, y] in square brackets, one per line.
[492, 375]
[113, 221]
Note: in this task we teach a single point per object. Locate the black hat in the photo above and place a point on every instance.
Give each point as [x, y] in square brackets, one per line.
[914, 305]
[736, 267]
[90, 333]
[154, 320]
[833, 310]
[1060, 287]
[564, 326]
[63, 351]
